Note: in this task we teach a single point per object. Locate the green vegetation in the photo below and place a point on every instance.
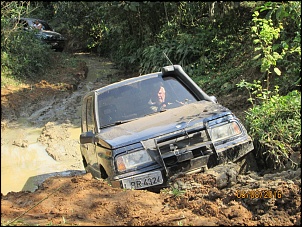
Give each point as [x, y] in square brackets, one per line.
[173, 191]
[230, 45]
[274, 120]
[275, 124]
[22, 56]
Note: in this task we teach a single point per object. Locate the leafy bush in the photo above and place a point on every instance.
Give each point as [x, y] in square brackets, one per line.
[182, 50]
[275, 125]
[277, 38]
[25, 56]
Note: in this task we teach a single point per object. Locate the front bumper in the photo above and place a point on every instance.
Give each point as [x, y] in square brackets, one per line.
[196, 164]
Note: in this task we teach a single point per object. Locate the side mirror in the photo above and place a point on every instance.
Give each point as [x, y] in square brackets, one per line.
[213, 99]
[87, 137]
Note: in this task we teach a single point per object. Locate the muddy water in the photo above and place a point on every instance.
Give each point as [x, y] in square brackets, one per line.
[25, 164]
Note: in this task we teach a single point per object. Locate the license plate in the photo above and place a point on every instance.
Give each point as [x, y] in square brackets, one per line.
[143, 180]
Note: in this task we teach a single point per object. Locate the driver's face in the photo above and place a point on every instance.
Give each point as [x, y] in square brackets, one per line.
[161, 94]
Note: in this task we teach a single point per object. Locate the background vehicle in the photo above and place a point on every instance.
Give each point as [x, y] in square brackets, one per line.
[46, 34]
[125, 141]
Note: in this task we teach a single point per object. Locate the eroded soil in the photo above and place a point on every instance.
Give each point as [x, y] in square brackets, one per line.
[78, 199]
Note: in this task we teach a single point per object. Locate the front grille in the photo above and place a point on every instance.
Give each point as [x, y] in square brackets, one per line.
[181, 147]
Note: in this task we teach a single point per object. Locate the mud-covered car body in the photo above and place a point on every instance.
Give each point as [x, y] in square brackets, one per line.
[46, 34]
[124, 141]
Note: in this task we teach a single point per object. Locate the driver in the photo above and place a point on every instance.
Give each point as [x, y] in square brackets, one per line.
[37, 25]
[159, 102]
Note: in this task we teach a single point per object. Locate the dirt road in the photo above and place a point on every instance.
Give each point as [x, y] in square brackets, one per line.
[52, 108]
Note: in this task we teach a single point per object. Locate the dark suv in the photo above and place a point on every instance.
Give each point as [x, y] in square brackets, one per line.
[136, 142]
[46, 34]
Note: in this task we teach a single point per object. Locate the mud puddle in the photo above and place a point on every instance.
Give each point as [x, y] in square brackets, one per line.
[25, 163]
[46, 142]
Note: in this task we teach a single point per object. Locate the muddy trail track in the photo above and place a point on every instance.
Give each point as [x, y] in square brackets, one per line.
[220, 196]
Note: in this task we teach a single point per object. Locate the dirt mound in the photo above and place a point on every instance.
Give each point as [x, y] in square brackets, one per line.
[82, 200]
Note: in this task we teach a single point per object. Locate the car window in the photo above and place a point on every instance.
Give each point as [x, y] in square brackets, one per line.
[30, 24]
[176, 90]
[45, 26]
[133, 100]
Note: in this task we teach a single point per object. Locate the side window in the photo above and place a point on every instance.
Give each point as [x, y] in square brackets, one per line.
[87, 115]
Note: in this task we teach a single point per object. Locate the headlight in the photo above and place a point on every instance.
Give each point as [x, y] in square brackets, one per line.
[225, 131]
[132, 160]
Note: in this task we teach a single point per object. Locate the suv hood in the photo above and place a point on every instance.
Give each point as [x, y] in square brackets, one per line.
[161, 123]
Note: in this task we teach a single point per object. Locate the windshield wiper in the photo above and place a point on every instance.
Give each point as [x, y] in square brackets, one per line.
[125, 121]
[118, 123]
[159, 111]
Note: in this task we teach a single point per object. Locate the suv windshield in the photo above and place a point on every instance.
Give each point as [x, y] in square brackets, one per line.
[141, 98]
[45, 26]
[29, 23]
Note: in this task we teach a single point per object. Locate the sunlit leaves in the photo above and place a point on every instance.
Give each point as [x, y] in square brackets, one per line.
[274, 122]
[277, 71]
[271, 36]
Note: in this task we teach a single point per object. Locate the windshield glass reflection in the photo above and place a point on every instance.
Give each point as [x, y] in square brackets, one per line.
[141, 98]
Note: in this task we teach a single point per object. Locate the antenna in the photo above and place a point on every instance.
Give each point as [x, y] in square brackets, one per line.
[167, 58]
